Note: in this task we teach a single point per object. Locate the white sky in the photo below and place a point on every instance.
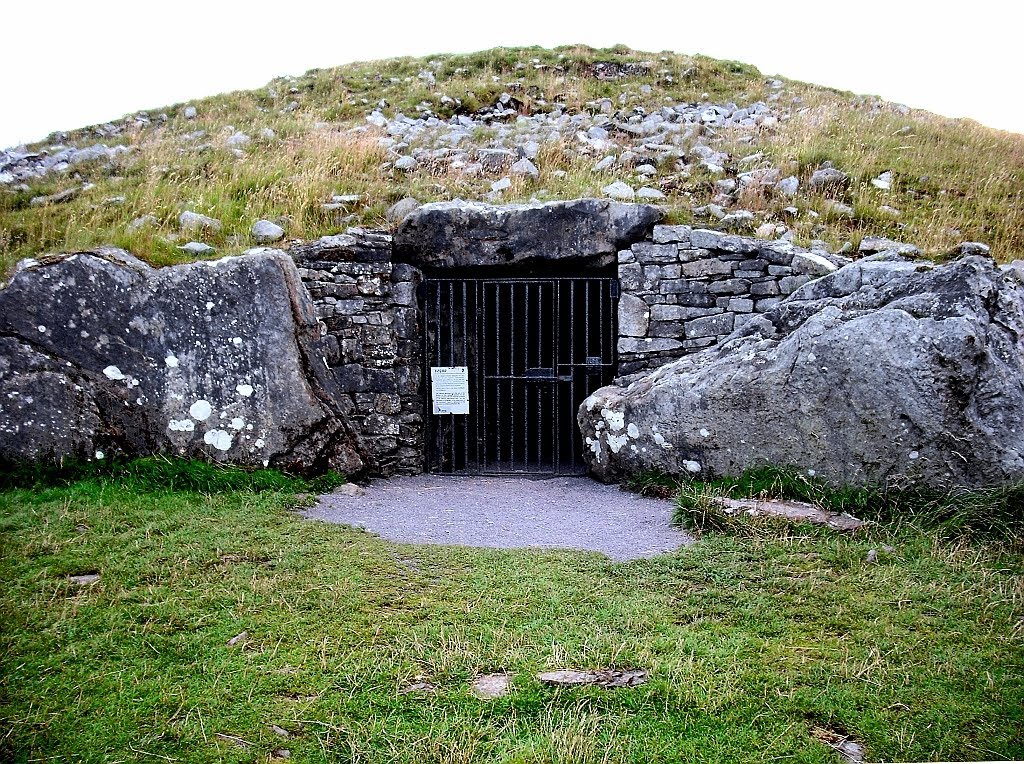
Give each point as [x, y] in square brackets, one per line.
[70, 64]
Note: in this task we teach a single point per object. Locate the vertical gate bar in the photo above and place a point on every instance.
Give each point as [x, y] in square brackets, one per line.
[557, 351]
[540, 360]
[497, 364]
[465, 362]
[586, 320]
[451, 362]
[481, 343]
[481, 360]
[428, 351]
[437, 362]
[511, 290]
[526, 358]
[573, 289]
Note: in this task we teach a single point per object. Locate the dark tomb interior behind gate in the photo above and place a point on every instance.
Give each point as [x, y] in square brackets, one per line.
[535, 349]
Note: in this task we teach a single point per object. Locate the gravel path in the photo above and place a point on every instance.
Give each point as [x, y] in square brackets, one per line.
[509, 513]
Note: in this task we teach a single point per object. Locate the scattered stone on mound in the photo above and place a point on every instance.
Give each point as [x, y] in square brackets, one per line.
[453, 234]
[101, 354]
[877, 371]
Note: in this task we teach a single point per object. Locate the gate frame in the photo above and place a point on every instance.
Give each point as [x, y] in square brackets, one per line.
[477, 279]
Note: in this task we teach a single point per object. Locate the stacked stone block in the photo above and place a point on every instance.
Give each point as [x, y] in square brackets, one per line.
[686, 289]
[368, 310]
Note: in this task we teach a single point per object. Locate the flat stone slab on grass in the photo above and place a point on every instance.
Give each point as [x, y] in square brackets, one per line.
[491, 686]
[794, 511]
[509, 513]
[607, 678]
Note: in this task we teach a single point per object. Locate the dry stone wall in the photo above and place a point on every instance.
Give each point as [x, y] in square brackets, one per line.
[367, 306]
[682, 290]
[685, 289]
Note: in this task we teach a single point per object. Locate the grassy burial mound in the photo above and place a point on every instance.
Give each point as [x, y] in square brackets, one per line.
[715, 142]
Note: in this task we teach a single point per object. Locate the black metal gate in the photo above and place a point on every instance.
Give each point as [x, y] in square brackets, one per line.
[535, 348]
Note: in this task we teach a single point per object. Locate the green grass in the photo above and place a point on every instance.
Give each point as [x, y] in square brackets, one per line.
[752, 642]
[954, 180]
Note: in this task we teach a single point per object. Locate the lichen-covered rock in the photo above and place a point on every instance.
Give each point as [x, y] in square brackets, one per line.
[455, 234]
[102, 355]
[878, 371]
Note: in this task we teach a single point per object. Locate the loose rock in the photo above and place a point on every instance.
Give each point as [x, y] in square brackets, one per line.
[406, 163]
[883, 181]
[525, 167]
[266, 232]
[829, 179]
[197, 248]
[193, 221]
[619, 190]
[144, 221]
[649, 193]
[398, 211]
[238, 640]
[491, 686]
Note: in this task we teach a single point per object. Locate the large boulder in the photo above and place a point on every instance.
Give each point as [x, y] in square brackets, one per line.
[881, 371]
[456, 234]
[102, 355]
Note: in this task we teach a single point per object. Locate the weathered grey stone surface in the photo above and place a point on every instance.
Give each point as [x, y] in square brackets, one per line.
[267, 232]
[102, 355]
[458, 233]
[193, 221]
[398, 211]
[878, 371]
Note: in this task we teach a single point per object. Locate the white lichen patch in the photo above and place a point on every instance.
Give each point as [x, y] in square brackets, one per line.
[41, 328]
[236, 341]
[260, 443]
[616, 419]
[237, 423]
[616, 442]
[704, 432]
[181, 425]
[244, 390]
[219, 439]
[200, 410]
[209, 306]
[99, 454]
[171, 361]
[112, 372]
[691, 466]
[633, 431]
